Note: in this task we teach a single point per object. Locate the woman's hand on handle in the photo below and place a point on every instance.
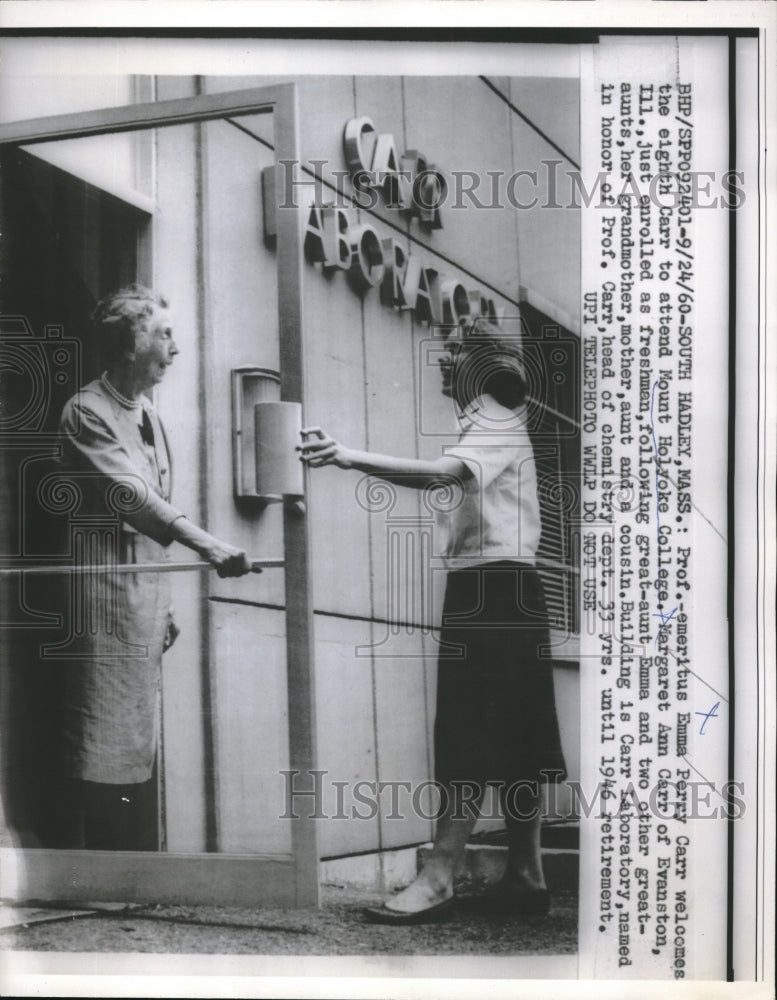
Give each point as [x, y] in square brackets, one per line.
[226, 559]
[318, 449]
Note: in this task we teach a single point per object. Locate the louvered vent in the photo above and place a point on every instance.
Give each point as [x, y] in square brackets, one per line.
[552, 360]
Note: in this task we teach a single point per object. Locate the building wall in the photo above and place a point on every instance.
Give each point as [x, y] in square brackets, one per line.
[371, 382]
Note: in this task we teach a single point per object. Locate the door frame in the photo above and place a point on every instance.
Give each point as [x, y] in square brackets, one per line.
[218, 879]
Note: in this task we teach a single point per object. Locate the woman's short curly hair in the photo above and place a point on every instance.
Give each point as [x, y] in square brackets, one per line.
[119, 316]
[490, 362]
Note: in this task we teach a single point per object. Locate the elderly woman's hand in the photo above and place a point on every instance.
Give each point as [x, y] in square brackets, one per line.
[171, 631]
[318, 449]
[227, 560]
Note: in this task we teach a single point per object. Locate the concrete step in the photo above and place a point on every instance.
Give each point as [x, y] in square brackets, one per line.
[564, 835]
[384, 871]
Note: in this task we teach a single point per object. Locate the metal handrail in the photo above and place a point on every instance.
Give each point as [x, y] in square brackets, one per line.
[257, 565]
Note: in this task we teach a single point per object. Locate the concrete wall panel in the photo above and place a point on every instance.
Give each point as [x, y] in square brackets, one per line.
[548, 233]
[400, 721]
[251, 724]
[462, 126]
[335, 401]
[345, 733]
[242, 321]
[182, 725]
[325, 104]
[553, 103]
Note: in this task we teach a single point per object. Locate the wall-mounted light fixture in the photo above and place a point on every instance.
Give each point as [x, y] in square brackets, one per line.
[250, 385]
[265, 433]
[276, 436]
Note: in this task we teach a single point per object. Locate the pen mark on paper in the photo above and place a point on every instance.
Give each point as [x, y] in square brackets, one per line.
[712, 714]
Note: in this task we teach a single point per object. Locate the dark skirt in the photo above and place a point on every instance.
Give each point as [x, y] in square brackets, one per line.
[496, 710]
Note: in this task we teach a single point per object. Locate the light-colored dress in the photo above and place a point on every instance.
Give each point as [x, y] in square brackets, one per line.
[115, 457]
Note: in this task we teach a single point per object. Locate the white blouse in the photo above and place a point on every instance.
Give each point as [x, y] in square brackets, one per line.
[496, 515]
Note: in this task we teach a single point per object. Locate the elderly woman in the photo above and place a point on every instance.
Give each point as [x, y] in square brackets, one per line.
[496, 717]
[116, 452]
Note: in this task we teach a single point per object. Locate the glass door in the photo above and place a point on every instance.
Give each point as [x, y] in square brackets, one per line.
[70, 242]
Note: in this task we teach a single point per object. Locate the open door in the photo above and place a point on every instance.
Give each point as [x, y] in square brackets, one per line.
[212, 876]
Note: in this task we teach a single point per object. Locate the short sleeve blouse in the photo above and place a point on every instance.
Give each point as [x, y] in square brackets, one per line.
[495, 515]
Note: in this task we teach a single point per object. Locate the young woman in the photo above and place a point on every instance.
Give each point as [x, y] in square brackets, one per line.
[496, 717]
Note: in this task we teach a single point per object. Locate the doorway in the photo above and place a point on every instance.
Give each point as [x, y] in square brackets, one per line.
[51, 872]
[66, 244]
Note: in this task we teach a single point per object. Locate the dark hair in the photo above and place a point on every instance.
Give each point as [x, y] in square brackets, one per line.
[119, 316]
[490, 362]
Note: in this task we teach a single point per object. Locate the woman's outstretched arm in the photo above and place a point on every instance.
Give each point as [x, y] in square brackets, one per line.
[318, 449]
